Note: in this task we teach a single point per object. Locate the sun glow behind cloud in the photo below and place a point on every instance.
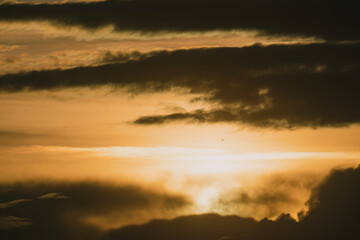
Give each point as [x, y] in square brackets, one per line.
[202, 173]
[118, 112]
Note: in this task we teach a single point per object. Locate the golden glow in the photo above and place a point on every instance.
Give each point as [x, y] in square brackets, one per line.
[40, 45]
[204, 199]
[198, 160]
[88, 136]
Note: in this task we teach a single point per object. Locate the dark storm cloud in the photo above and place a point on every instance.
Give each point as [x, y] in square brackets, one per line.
[281, 86]
[331, 20]
[58, 217]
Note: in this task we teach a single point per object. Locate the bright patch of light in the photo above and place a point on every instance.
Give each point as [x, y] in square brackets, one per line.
[204, 199]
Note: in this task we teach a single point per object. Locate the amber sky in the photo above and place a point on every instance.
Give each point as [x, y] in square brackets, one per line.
[115, 113]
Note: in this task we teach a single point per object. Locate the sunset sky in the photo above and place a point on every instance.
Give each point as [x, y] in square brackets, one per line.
[179, 119]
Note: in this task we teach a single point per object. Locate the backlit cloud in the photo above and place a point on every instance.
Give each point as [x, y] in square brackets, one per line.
[281, 86]
[328, 20]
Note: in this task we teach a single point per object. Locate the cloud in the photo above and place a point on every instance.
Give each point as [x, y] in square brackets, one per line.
[13, 203]
[53, 214]
[11, 222]
[209, 227]
[333, 214]
[269, 195]
[335, 204]
[279, 86]
[53, 196]
[201, 227]
[332, 20]
[109, 57]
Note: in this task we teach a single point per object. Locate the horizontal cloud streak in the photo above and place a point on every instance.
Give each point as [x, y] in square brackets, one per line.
[332, 20]
[277, 86]
[13, 203]
[52, 196]
[11, 222]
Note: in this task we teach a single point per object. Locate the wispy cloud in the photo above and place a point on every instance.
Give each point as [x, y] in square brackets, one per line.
[53, 196]
[13, 203]
[11, 222]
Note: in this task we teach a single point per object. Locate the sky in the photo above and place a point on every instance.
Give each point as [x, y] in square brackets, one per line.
[179, 119]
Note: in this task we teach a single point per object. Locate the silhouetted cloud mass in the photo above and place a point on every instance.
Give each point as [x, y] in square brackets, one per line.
[331, 20]
[280, 86]
[208, 226]
[334, 211]
[52, 215]
[333, 214]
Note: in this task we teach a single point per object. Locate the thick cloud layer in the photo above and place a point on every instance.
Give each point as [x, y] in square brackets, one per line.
[333, 214]
[335, 205]
[58, 210]
[281, 86]
[331, 20]
[199, 227]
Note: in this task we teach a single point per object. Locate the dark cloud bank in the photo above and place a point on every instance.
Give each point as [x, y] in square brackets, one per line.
[280, 86]
[56, 210]
[331, 20]
[333, 214]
